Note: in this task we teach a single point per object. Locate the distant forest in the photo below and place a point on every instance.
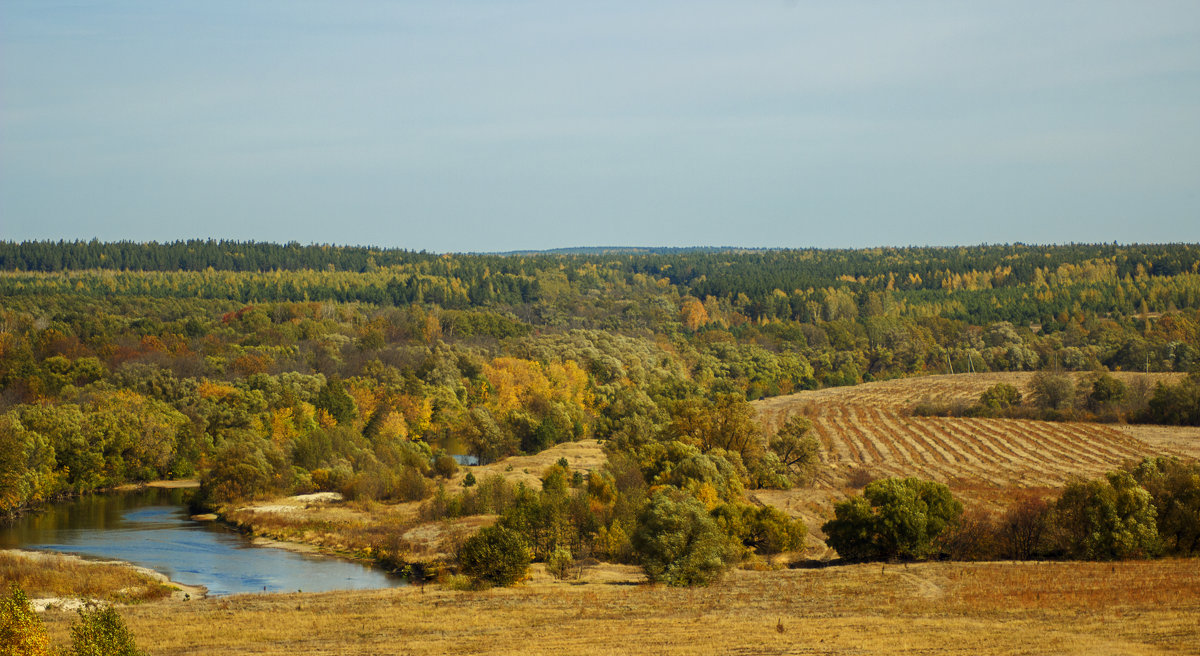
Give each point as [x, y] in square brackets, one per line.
[266, 367]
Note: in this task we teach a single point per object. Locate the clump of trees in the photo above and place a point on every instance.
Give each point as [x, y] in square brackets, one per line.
[893, 518]
[1099, 396]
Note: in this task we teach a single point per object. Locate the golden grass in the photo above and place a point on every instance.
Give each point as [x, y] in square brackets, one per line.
[934, 608]
[45, 574]
[584, 455]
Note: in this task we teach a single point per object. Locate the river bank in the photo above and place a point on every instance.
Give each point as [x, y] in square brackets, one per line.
[154, 529]
[67, 581]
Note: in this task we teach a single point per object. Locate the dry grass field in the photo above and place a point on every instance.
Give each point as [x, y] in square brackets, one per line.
[932, 608]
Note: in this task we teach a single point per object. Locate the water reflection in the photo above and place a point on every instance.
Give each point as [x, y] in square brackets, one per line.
[152, 528]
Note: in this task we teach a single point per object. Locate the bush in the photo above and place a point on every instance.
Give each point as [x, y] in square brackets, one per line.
[494, 555]
[102, 632]
[1177, 405]
[765, 529]
[468, 480]
[895, 518]
[973, 537]
[21, 630]
[678, 543]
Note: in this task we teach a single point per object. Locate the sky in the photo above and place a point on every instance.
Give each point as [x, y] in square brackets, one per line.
[531, 124]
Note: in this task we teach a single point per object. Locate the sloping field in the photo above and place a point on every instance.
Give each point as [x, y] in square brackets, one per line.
[867, 432]
[869, 427]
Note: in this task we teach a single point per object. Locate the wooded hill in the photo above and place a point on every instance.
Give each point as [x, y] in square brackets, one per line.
[272, 368]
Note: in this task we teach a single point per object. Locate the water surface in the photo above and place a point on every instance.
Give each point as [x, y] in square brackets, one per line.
[152, 528]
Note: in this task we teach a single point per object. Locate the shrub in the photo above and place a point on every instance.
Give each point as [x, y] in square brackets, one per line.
[1000, 396]
[560, 563]
[494, 555]
[21, 630]
[468, 480]
[102, 632]
[895, 518]
[678, 543]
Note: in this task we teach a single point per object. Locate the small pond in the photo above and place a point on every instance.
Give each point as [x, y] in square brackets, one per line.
[153, 528]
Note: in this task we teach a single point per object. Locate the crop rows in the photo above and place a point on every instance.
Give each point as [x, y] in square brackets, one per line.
[996, 451]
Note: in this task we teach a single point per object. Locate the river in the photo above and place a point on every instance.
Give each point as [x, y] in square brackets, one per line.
[152, 528]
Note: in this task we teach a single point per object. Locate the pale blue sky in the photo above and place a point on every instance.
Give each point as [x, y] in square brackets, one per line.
[500, 125]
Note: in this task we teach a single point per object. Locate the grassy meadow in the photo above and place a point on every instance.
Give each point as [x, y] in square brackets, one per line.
[1145, 607]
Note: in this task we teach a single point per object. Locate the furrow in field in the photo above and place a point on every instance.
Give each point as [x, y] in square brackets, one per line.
[1068, 453]
[866, 446]
[862, 420]
[967, 461]
[1015, 445]
[837, 436]
[1103, 437]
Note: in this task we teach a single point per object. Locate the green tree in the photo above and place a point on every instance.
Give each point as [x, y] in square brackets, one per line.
[560, 563]
[678, 543]
[495, 555]
[1174, 487]
[1106, 519]
[1051, 390]
[798, 451]
[895, 518]
[1106, 390]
